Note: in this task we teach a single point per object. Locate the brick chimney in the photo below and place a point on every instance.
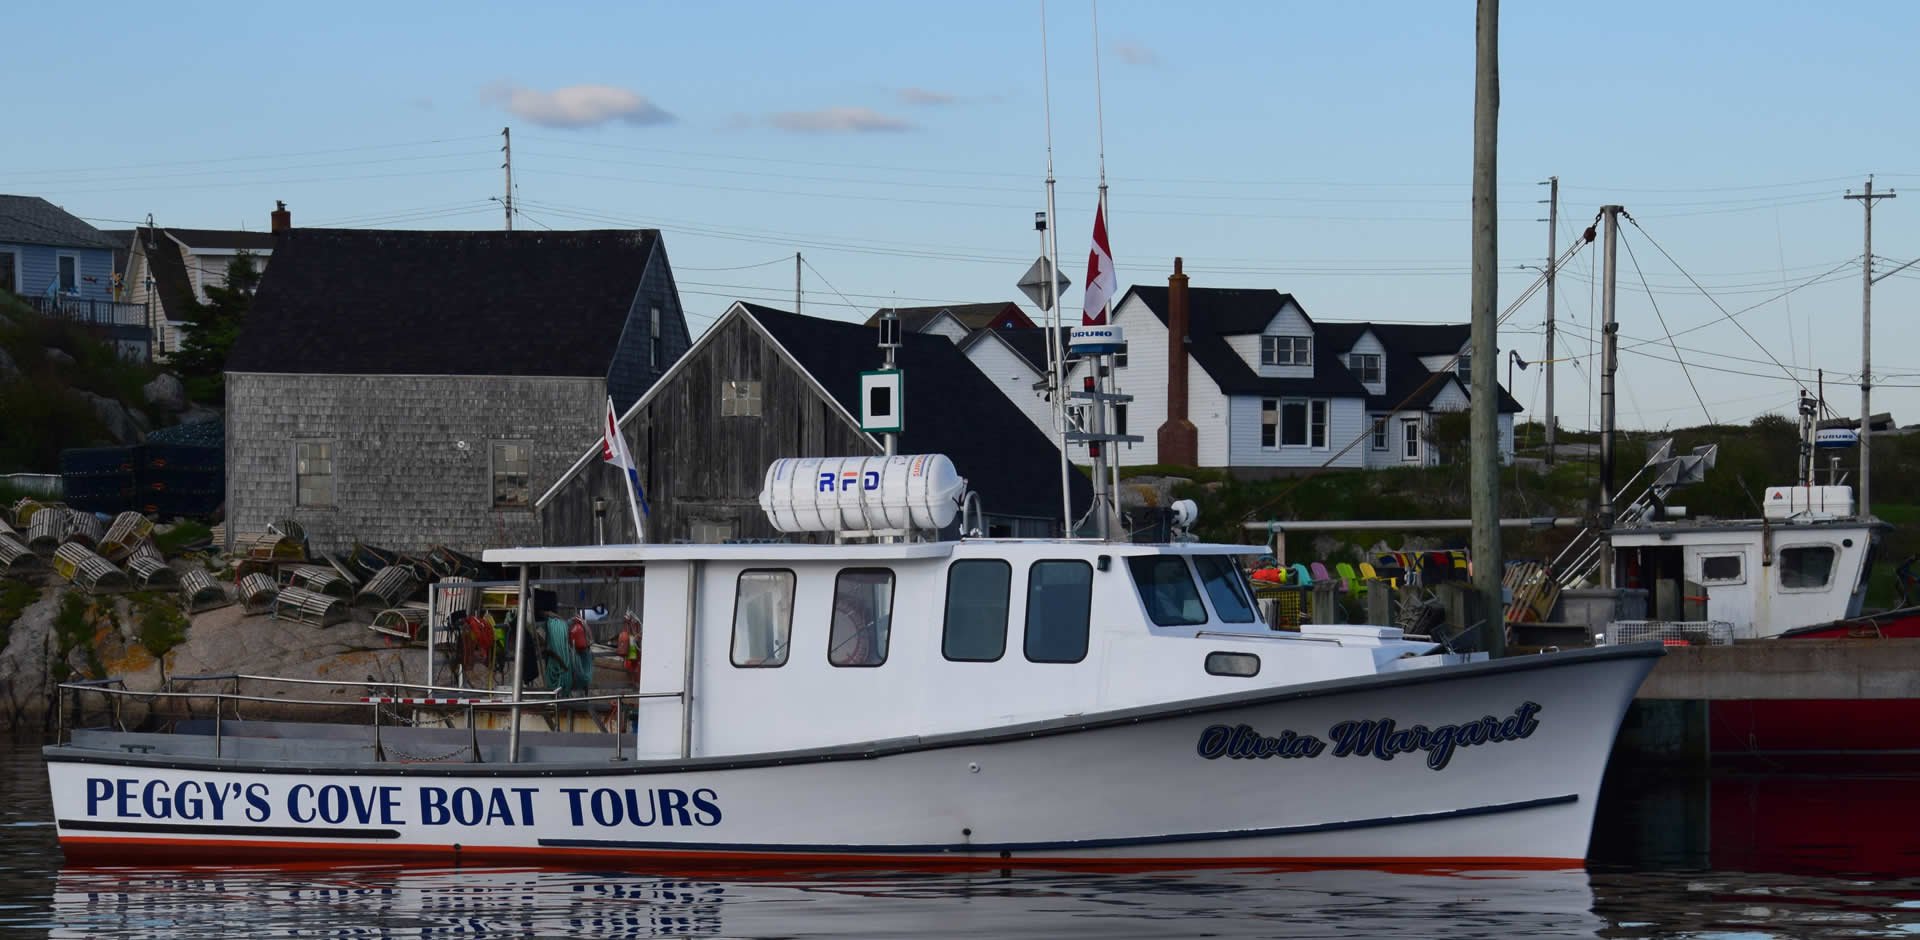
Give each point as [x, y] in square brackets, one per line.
[282, 219]
[1179, 440]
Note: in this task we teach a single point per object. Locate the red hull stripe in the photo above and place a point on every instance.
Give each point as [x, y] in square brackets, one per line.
[83, 849]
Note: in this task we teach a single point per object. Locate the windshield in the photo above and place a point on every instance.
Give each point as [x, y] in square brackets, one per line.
[1167, 591]
[1224, 587]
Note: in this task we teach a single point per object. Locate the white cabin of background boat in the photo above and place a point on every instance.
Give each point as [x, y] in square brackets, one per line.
[867, 656]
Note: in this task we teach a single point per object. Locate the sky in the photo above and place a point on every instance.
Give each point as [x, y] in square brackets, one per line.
[1319, 149]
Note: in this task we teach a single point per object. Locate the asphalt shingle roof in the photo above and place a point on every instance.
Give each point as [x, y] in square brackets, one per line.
[31, 220]
[971, 316]
[383, 302]
[1215, 313]
[169, 273]
[950, 408]
[222, 239]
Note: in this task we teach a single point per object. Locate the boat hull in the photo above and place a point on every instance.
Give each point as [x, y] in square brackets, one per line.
[1483, 764]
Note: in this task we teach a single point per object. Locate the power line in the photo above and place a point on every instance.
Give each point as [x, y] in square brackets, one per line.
[1669, 331]
[262, 156]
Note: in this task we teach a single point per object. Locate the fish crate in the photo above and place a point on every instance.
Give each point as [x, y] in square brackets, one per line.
[16, 557]
[1670, 632]
[401, 624]
[88, 571]
[321, 578]
[84, 527]
[304, 606]
[149, 571]
[129, 529]
[258, 593]
[201, 592]
[388, 589]
[47, 529]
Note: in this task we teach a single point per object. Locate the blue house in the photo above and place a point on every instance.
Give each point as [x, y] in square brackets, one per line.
[64, 267]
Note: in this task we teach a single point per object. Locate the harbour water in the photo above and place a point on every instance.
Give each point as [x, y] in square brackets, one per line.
[1728, 857]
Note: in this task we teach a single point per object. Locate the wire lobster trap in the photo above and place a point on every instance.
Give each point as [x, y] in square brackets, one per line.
[1670, 632]
[201, 592]
[128, 531]
[258, 593]
[88, 571]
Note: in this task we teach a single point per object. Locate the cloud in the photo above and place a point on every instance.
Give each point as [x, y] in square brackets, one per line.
[837, 121]
[923, 96]
[579, 106]
[1133, 53]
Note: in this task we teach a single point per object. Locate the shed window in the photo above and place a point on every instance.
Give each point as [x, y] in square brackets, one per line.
[978, 594]
[762, 618]
[1806, 567]
[1721, 569]
[1166, 588]
[739, 399]
[1225, 587]
[1059, 605]
[512, 465]
[862, 617]
[313, 473]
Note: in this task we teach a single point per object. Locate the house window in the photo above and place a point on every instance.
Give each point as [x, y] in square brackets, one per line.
[1286, 350]
[1721, 569]
[653, 346]
[977, 602]
[1317, 423]
[1269, 423]
[1410, 438]
[739, 399]
[1120, 419]
[512, 466]
[1366, 367]
[1465, 368]
[1059, 607]
[1120, 358]
[69, 274]
[1806, 567]
[1379, 431]
[10, 271]
[704, 532]
[1293, 422]
[313, 473]
[862, 617]
[762, 618]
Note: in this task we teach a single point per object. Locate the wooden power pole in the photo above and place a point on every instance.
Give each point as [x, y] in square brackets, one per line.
[1487, 562]
[1866, 351]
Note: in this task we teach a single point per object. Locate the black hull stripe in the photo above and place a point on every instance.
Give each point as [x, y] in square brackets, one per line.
[1068, 844]
[194, 829]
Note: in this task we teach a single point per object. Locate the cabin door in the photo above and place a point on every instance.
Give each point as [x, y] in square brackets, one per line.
[1724, 575]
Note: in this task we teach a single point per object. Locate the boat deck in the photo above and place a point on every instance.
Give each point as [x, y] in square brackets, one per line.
[277, 742]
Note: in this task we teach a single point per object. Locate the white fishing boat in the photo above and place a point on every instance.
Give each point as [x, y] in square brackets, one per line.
[959, 702]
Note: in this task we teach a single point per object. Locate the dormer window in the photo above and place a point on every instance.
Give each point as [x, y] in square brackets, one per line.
[1366, 367]
[1286, 350]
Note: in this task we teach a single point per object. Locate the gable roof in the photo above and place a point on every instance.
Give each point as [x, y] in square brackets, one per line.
[168, 270]
[1405, 345]
[971, 316]
[384, 302]
[1215, 313]
[1029, 343]
[31, 220]
[215, 239]
[950, 407]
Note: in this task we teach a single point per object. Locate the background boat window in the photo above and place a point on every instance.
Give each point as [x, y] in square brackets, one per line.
[762, 618]
[1224, 587]
[977, 599]
[1166, 588]
[862, 617]
[1721, 569]
[1233, 664]
[1059, 602]
[1806, 566]
[512, 465]
[313, 473]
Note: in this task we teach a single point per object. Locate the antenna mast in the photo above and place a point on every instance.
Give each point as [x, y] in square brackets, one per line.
[1056, 352]
[506, 147]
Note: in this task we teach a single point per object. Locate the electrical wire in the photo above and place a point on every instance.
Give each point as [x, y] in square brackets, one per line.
[1669, 331]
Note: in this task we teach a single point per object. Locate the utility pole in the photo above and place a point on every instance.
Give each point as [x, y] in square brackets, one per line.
[1487, 562]
[1866, 350]
[1609, 364]
[506, 147]
[1553, 352]
[796, 282]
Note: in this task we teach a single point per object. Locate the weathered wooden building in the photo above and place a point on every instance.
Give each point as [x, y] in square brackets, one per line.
[762, 384]
[409, 389]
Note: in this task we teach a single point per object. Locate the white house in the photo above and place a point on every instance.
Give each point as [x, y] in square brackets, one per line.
[1016, 362]
[1268, 388]
[170, 269]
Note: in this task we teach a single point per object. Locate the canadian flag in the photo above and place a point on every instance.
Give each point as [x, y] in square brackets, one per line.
[1100, 278]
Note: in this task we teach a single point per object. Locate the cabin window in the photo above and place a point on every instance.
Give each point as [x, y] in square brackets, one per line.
[739, 399]
[512, 465]
[862, 617]
[978, 594]
[1059, 606]
[1366, 367]
[762, 618]
[1166, 588]
[1806, 567]
[313, 473]
[1245, 665]
[1721, 569]
[1224, 587]
[1286, 350]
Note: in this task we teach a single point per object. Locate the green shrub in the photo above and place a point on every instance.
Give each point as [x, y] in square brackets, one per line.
[73, 629]
[161, 623]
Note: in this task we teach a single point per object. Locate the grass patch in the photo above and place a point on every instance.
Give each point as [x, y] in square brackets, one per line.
[73, 629]
[15, 598]
[160, 622]
[183, 534]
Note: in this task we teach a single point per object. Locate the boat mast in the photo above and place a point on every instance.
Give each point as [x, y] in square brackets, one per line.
[1050, 249]
[1609, 364]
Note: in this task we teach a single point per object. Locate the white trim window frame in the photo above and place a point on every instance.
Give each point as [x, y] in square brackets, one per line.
[1286, 350]
[1410, 449]
[1314, 424]
[1377, 428]
[497, 498]
[1369, 368]
[316, 473]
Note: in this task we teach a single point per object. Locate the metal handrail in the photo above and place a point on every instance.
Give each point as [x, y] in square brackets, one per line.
[366, 684]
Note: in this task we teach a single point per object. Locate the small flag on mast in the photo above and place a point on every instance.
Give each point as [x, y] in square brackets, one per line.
[613, 450]
[1100, 277]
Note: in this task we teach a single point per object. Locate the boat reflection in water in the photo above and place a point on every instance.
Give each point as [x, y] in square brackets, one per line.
[469, 902]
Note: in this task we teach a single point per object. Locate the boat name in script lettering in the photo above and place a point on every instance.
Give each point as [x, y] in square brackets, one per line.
[1378, 737]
